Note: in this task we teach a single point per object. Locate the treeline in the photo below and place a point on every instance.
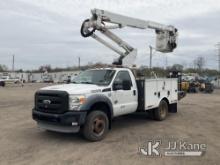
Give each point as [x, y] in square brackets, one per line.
[48, 68]
[3, 68]
[161, 72]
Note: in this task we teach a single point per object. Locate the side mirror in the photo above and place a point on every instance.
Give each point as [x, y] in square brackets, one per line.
[126, 85]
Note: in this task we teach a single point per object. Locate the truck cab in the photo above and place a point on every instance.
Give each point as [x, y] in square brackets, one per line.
[96, 96]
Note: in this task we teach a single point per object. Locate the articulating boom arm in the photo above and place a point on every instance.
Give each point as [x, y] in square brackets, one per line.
[103, 21]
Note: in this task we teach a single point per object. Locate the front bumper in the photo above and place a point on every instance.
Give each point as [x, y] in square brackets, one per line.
[66, 122]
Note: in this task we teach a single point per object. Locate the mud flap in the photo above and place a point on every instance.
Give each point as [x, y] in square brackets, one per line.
[173, 108]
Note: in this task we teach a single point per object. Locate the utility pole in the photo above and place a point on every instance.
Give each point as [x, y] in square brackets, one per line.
[79, 62]
[166, 62]
[218, 47]
[151, 48]
[13, 63]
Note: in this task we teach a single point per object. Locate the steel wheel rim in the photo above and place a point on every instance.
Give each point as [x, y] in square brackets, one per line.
[163, 110]
[99, 125]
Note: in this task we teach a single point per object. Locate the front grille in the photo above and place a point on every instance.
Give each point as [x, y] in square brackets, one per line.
[58, 101]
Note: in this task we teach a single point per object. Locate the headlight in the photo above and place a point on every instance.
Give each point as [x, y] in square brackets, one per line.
[75, 101]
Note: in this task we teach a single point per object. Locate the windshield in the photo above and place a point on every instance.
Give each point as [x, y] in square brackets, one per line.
[98, 77]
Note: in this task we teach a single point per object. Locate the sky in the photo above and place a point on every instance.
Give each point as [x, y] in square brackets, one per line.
[40, 32]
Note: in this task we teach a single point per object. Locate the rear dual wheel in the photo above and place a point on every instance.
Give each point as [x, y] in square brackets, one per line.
[161, 112]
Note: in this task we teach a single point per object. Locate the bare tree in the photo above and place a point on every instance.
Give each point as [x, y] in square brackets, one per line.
[44, 68]
[199, 63]
[3, 68]
[177, 67]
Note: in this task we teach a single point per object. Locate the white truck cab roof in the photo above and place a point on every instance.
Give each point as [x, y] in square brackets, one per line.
[84, 88]
[112, 68]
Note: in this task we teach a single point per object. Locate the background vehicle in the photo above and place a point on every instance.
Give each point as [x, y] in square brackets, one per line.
[8, 80]
[47, 79]
[193, 84]
[206, 86]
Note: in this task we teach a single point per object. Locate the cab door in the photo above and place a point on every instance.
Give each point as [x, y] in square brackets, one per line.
[124, 95]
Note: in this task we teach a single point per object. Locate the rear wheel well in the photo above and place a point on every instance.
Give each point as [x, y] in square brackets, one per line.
[167, 101]
[102, 106]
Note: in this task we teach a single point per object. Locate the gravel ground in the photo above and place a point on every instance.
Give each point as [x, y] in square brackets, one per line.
[21, 142]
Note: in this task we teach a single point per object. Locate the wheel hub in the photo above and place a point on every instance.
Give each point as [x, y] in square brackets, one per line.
[163, 111]
[98, 125]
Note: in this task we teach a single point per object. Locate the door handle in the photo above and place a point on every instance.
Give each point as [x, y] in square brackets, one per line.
[134, 92]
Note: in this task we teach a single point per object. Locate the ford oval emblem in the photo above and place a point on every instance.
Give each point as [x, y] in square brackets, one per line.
[46, 102]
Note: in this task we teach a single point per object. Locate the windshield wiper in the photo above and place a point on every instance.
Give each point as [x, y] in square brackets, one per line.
[74, 82]
[86, 82]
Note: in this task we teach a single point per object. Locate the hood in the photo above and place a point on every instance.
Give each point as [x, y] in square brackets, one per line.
[75, 88]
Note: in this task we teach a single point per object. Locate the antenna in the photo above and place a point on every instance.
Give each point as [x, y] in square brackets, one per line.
[13, 63]
[79, 63]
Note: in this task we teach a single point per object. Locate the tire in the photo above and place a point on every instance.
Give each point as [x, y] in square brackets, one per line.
[96, 126]
[161, 112]
[2, 83]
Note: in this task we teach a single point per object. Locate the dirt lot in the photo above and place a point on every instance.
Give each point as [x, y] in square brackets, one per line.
[21, 142]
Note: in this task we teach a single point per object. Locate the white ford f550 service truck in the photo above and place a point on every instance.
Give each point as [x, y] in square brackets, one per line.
[96, 96]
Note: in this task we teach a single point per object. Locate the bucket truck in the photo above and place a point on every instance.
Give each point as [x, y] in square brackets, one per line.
[96, 96]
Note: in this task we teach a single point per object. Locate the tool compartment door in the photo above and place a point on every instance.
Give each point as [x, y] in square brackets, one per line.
[164, 87]
[174, 90]
[151, 97]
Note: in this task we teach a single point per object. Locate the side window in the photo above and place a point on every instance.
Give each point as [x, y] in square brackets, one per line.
[121, 76]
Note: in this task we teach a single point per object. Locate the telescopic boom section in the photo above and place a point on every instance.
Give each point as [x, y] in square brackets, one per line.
[103, 21]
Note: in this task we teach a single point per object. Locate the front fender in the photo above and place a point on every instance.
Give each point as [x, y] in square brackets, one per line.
[98, 98]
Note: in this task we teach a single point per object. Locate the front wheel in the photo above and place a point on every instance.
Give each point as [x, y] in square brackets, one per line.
[96, 126]
[161, 112]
